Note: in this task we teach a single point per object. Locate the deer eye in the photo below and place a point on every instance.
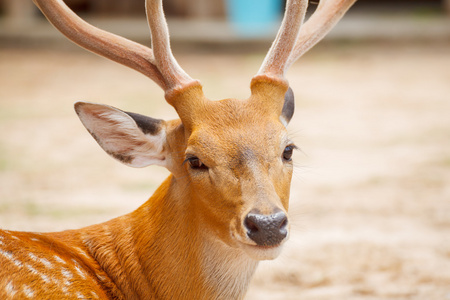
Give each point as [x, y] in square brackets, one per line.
[287, 153]
[195, 163]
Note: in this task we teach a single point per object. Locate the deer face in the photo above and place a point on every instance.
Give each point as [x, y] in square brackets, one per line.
[239, 166]
[234, 156]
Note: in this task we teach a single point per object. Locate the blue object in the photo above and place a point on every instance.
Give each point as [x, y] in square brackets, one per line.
[254, 18]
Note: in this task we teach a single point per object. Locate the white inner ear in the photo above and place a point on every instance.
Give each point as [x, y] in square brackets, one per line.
[158, 157]
[284, 121]
[118, 134]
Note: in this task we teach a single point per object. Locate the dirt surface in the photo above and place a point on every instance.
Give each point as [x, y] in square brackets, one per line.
[371, 191]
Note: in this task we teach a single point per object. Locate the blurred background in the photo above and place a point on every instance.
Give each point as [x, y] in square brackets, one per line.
[370, 200]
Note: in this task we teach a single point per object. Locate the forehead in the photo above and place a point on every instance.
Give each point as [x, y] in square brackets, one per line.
[237, 124]
[235, 113]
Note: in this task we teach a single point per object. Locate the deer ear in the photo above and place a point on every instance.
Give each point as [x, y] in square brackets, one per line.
[133, 139]
[288, 107]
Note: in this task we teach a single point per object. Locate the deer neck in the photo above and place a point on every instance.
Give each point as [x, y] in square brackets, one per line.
[161, 251]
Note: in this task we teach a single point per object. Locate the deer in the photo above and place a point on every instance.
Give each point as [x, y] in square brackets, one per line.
[224, 206]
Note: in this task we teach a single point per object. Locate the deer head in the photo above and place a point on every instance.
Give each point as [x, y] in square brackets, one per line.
[231, 160]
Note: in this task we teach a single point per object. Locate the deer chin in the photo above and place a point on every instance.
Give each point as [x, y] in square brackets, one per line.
[262, 252]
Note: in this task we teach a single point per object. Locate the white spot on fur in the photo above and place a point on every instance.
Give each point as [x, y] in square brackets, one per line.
[11, 257]
[8, 255]
[46, 263]
[80, 296]
[80, 251]
[35, 239]
[94, 294]
[80, 272]
[34, 271]
[65, 290]
[102, 278]
[14, 237]
[32, 256]
[29, 293]
[67, 274]
[78, 269]
[9, 289]
[17, 263]
[59, 259]
[44, 278]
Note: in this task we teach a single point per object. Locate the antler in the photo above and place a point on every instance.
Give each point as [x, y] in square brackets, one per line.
[327, 14]
[289, 45]
[165, 61]
[278, 55]
[159, 65]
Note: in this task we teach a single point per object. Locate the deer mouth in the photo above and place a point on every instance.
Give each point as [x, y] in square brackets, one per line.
[259, 252]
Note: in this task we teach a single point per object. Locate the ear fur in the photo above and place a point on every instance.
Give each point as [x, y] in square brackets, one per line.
[133, 139]
[288, 107]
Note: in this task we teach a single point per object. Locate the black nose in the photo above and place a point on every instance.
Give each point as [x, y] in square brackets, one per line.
[266, 230]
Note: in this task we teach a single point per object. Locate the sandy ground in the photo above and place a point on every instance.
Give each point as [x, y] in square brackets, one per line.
[371, 191]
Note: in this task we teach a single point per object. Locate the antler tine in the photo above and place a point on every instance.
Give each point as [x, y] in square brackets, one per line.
[116, 48]
[173, 74]
[327, 14]
[275, 62]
